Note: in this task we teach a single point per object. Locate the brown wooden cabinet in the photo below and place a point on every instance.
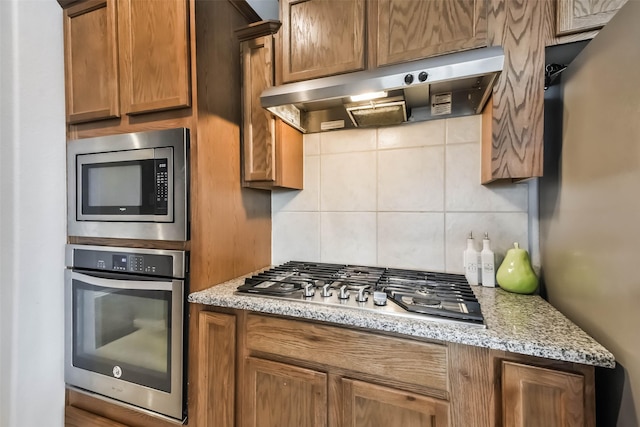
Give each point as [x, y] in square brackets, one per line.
[216, 358]
[91, 61]
[582, 15]
[370, 405]
[74, 417]
[272, 150]
[279, 394]
[321, 38]
[539, 397]
[154, 49]
[126, 57]
[405, 30]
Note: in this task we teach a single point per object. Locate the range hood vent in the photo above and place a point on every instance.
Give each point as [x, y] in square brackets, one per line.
[452, 85]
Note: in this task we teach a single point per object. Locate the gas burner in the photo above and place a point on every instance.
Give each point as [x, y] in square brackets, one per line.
[415, 294]
[427, 302]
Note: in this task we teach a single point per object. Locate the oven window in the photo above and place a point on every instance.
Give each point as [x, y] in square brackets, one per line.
[124, 334]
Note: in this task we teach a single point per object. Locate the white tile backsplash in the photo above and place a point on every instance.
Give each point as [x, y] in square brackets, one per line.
[464, 129]
[348, 237]
[347, 141]
[348, 182]
[307, 200]
[296, 236]
[464, 192]
[411, 179]
[411, 240]
[412, 135]
[403, 196]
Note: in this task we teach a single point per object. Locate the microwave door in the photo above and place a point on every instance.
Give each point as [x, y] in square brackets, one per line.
[126, 186]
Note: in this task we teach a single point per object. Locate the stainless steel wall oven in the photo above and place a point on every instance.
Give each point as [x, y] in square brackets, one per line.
[132, 186]
[125, 325]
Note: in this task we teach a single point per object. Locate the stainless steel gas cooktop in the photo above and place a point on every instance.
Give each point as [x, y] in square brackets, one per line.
[440, 297]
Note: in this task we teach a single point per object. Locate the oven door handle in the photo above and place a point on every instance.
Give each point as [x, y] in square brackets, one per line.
[122, 284]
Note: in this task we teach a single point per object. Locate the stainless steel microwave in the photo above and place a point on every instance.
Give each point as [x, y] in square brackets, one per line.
[129, 186]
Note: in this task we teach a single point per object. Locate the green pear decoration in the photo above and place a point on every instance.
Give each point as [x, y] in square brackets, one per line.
[515, 273]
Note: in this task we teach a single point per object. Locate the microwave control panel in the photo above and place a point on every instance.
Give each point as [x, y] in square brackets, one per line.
[162, 186]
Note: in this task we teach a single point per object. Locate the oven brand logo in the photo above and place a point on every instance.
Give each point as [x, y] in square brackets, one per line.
[117, 371]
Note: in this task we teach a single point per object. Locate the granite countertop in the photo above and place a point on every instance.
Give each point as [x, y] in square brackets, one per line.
[524, 324]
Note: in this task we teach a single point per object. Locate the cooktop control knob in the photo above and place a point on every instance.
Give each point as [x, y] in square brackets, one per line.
[408, 79]
[309, 290]
[344, 293]
[326, 290]
[362, 295]
[379, 298]
[423, 76]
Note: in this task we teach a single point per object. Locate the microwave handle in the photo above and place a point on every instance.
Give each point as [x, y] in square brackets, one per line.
[122, 284]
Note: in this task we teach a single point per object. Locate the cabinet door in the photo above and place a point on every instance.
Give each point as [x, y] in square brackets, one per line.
[513, 121]
[282, 395]
[321, 37]
[216, 369]
[91, 61]
[154, 48]
[582, 15]
[369, 405]
[416, 29]
[259, 134]
[540, 397]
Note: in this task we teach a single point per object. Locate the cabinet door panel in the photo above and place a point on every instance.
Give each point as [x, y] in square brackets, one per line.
[258, 127]
[369, 405]
[154, 44]
[539, 397]
[321, 37]
[216, 365]
[281, 395]
[582, 15]
[91, 61]
[415, 29]
[74, 417]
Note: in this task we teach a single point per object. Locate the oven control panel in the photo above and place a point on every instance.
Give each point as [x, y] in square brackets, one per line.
[139, 263]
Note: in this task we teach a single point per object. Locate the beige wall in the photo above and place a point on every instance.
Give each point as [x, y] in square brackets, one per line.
[590, 213]
[402, 196]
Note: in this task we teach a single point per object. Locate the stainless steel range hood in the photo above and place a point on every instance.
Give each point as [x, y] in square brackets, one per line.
[452, 85]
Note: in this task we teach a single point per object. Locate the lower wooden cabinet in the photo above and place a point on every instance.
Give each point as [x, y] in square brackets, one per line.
[540, 397]
[294, 373]
[74, 417]
[370, 405]
[283, 395]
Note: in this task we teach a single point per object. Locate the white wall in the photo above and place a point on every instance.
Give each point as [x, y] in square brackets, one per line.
[403, 196]
[32, 214]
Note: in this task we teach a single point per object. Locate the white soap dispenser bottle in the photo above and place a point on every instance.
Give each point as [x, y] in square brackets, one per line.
[471, 261]
[488, 261]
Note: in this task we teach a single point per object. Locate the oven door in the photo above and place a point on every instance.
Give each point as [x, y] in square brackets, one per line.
[124, 339]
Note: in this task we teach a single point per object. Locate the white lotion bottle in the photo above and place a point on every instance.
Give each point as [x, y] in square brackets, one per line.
[488, 263]
[471, 261]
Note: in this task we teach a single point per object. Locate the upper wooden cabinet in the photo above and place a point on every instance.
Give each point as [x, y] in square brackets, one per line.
[154, 48]
[540, 397]
[405, 30]
[272, 150]
[125, 56]
[582, 15]
[91, 61]
[321, 38]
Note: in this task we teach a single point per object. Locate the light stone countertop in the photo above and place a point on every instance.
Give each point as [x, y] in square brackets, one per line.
[524, 324]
